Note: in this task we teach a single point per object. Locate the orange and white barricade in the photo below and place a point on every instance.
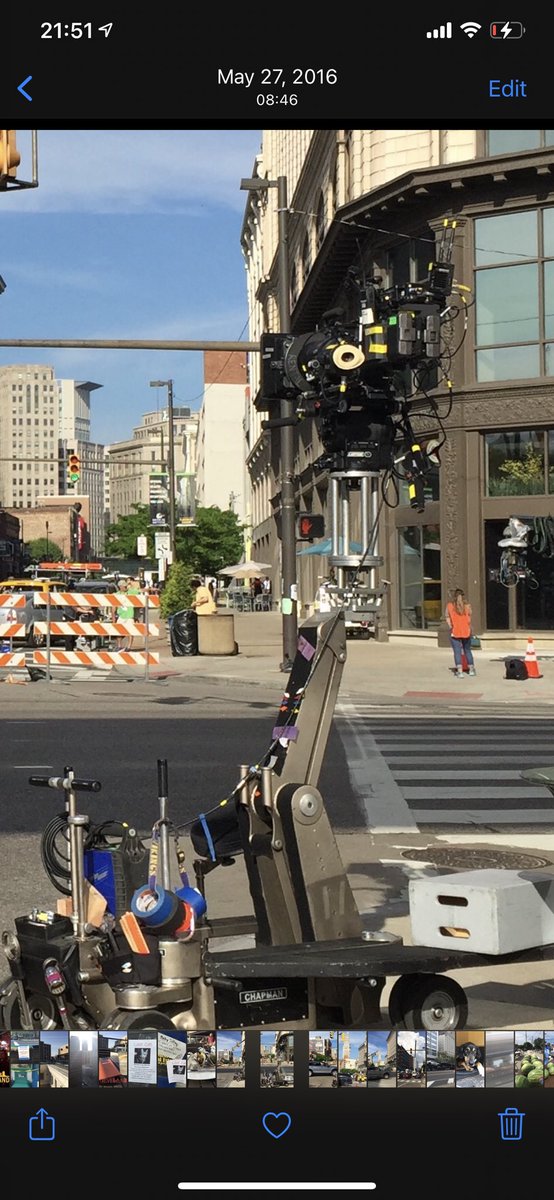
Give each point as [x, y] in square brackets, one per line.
[10, 628]
[101, 628]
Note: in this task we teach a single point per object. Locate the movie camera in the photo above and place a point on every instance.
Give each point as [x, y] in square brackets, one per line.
[359, 376]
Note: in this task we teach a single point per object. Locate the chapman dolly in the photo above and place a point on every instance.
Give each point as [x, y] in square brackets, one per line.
[314, 963]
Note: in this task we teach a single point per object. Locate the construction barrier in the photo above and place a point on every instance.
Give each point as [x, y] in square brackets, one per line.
[95, 658]
[11, 629]
[96, 628]
[114, 628]
[12, 659]
[97, 599]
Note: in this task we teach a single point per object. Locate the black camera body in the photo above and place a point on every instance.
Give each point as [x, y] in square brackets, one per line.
[348, 373]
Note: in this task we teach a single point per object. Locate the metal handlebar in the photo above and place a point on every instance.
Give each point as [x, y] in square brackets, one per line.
[66, 783]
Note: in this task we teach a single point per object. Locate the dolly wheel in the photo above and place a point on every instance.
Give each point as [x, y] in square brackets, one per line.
[399, 996]
[434, 1002]
[144, 1019]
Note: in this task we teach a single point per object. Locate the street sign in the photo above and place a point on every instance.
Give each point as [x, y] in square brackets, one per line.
[142, 545]
[162, 544]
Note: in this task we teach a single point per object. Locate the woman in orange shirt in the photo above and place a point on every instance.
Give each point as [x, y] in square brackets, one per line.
[458, 619]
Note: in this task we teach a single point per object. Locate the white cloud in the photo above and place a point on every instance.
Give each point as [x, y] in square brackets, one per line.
[54, 277]
[135, 171]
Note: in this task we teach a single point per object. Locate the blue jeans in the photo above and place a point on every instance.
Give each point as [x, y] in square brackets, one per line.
[459, 645]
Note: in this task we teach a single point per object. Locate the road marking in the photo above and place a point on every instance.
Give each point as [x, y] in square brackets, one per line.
[475, 793]
[491, 816]
[440, 774]
[373, 783]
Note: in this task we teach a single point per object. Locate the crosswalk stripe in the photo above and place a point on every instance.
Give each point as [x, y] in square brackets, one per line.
[485, 816]
[439, 774]
[376, 789]
[482, 766]
[491, 793]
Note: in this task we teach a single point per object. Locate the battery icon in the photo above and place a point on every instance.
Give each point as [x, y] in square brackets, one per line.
[507, 29]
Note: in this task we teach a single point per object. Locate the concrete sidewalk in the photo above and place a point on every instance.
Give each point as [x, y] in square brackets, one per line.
[375, 673]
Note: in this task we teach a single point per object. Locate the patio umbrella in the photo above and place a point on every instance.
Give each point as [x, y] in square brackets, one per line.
[246, 570]
[325, 547]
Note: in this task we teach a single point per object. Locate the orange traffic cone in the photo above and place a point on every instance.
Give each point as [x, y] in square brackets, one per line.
[531, 661]
[465, 665]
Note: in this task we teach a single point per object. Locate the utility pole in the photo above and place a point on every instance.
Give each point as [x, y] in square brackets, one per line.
[168, 383]
[288, 507]
[289, 589]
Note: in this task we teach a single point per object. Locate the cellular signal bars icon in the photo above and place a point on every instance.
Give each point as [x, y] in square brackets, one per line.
[443, 31]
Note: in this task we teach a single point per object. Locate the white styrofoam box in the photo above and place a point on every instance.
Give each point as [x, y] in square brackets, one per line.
[501, 911]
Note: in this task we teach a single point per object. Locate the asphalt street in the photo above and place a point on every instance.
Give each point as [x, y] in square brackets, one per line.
[393, 783]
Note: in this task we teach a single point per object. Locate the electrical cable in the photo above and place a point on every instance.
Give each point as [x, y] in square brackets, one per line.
[56, 863]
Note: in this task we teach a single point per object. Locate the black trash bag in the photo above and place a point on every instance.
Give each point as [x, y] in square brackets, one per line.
[516, 668]
[183, 632]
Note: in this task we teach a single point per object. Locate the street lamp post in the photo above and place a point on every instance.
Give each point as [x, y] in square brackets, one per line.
[168, 383]
[288, 506]
[47, 542]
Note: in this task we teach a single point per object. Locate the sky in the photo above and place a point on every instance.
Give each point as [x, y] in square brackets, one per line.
[130, 234]
[228, 1041]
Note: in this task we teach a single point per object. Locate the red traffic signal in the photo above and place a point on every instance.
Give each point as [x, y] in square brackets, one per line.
[309, 526]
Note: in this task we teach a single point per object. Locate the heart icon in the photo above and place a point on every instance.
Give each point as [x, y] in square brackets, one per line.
[276, 1123]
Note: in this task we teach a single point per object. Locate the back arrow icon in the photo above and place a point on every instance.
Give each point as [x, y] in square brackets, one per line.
[21, 87]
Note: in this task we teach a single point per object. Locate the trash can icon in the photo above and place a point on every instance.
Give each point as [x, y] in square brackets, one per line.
[511, 1125]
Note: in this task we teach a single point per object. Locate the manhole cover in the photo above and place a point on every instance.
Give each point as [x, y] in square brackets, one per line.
[477, 859]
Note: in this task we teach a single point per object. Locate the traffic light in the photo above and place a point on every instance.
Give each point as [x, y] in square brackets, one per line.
[309, 526]
[73, 468]
[9, 154]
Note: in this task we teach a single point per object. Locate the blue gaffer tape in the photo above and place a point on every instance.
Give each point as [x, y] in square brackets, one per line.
[206, 829]
[160, 910]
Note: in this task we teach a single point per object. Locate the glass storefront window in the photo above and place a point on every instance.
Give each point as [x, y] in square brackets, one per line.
[420, 576]
[550, 449]
[508, 362]
[515, 463]
[549, 299]
[514, 299]
[548, 232]
[522, 606]
[507, 305]
[505, 141]
[499, 239]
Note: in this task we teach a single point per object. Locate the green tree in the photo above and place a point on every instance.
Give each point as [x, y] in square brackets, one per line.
[121, 536]
[177, 593]
[215, 541]
[44, 550]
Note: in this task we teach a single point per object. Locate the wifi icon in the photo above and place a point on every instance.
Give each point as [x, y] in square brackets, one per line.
[471, 28]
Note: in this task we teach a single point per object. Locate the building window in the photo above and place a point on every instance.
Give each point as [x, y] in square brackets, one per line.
[520, 462]
[514, 295]
[320, 224]
[525, 606]
[333, 191]
[306, 257]
[294, 284]
[506, 141]
[408, 262]
[420, 576]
